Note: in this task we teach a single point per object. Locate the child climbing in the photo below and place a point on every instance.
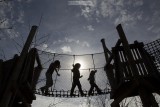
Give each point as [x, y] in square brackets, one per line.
[76, 77]
[92, 83]
[54, 66]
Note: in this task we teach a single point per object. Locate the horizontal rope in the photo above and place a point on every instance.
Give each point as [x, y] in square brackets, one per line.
[69, 54]
[81, 69]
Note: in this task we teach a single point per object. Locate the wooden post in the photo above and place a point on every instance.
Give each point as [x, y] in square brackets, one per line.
[1, 75]
[109, 68]
[106, 50]
[12, 83]
[144, 97]
[127, 50]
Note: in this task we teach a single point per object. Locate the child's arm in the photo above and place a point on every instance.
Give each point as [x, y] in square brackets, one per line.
[81, 76]
[89, 78]
[57, 72]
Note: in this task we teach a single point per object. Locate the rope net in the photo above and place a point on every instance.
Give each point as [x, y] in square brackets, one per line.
[62, 84]
[153, 48]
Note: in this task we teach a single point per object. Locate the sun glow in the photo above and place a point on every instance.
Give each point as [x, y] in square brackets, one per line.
[82, 62]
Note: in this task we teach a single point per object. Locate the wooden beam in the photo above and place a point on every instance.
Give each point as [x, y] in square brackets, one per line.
[127, 50]
[16, 72]
[106, 50]
[1, 76]
[124, 94]
[144, 97]
[112, 55]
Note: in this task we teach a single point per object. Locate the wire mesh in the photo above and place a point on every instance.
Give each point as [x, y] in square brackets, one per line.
[153, 48]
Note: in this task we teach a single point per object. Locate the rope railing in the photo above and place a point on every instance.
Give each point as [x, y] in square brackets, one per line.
[68, 54]
[63, 69]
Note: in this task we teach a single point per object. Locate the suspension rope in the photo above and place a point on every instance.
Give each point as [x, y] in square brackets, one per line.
[72, 65]
[56, 76]
[63, 69]
[69, 54]
[93, 62]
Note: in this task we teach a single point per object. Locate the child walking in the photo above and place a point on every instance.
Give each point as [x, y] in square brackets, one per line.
[76, 77]
[92, 83]
[54, 66]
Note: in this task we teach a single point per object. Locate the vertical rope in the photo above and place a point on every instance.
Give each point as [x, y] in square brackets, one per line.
[73, 64]
[89, 70]
[56, 76]
[94, 65]
[93, 62]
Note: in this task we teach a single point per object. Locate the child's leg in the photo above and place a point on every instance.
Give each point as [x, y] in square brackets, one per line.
[97, 88]
[73, 87]
[91, 89]
[80, 87]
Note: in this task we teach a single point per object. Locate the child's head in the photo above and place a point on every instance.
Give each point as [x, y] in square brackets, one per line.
[57, 63]
[77, 65]
[93, 71]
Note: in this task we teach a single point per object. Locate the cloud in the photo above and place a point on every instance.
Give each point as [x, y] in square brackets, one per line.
[85, 44]
[107, 8]
[80, 2]
[138, 3]
[12, 33]
[20, 17]
[86, 12]
[114, 10]
[150, 28]
[28, 1]
[89, 27]
[44, 47]
[7, 31]
[89, 10]
[72, 41]
[66, 49]
[9, 16]
[124, 19]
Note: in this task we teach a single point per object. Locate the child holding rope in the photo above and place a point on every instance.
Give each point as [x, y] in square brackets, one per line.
[92, 83]
[54, 66]
[76, 77]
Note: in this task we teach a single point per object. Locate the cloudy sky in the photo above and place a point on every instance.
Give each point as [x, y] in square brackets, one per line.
[75, 26]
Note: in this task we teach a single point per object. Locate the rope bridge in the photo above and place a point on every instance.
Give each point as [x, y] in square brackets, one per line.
[62, 84]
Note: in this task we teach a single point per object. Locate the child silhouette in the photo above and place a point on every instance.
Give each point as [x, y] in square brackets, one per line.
[76, 77]
[54, 66]
[92, 83]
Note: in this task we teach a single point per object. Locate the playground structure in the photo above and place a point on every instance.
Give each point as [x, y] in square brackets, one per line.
[19, 75]
[131, 69]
